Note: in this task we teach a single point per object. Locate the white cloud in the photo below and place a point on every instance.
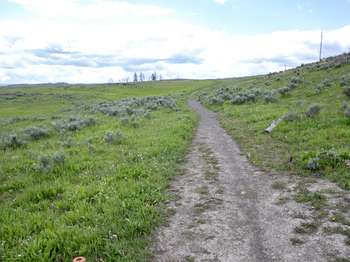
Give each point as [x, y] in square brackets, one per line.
[223, 1]
[90, 9]
[65, 43]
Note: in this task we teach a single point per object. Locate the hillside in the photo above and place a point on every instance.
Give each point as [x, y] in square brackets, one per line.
[317, 143]
[84, 169]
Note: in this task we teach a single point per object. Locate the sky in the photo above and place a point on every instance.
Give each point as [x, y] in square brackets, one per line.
[94, 41]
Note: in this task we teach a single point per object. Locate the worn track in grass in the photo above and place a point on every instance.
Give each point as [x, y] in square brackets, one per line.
[224, 209]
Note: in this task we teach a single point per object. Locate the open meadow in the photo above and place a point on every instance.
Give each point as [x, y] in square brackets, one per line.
[84, 169]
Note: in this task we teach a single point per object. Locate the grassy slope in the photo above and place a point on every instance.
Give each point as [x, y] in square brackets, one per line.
[103, 202]
[291, 144]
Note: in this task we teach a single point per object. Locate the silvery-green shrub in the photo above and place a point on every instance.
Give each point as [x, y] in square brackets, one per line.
[347, 91]
[36, 133]
[45, 163]
[313, 111]
[58, 158]
[347, 112]
[11, 141]
[313, 164]
[291, 116]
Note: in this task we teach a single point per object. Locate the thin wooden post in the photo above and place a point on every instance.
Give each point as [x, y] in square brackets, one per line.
[321, 45]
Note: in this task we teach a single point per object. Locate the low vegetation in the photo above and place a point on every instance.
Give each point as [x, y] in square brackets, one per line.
[83, 170]
[313, 138]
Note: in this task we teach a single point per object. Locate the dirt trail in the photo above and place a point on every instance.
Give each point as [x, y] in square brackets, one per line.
[227, 210]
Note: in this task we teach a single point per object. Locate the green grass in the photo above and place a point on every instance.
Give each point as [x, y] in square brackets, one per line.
[293, 143]
[104, 201]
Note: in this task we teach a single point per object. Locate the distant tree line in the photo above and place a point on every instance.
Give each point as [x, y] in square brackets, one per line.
[140, 77]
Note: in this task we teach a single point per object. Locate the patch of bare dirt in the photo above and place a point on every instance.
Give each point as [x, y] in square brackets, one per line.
[227, 210]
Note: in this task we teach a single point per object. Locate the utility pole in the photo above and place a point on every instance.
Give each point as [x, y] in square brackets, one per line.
[321, 45]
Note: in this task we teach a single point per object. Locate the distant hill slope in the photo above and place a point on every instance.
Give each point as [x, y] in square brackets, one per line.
[314, 102]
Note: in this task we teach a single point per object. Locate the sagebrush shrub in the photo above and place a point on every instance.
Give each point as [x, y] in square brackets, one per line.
[313, 111]
[270, 98]
[344, 80]
[347, 91]
[114, 137]
[313, 164]
[36, 133]
[296, 80]
[11, 141]
[347, 112]
[45, 163]
[284, 90]
[74, 124]
[291, 116]
[324, 159]
[326, 83]
[58, 158]
[134, 106]
[217, 100]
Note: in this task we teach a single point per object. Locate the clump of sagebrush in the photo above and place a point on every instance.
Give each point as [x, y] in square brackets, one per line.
[250, 95]
[116, 137]
[344, 105]
[11, 141]
[36, 133]
[347, 112]
[237, 96]
[66, 141]
[344, 80]
[291, 116]
[294, 83]
[313, 164]
[326, 83]
[134, 106]
[74, 123]
[232, 94]
[313, 111]
[296, 80]
[327, 158]
[12, 120]
[284, 90]
[58, 158]
[347, 91]
[217, 100]
[48, 162]
[45, 163]
[270, 97]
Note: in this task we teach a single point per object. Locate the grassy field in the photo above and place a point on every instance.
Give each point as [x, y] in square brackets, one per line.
[317, 145]
[83, 170]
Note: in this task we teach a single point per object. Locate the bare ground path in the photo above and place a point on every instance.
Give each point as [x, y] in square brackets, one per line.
[227, 210]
